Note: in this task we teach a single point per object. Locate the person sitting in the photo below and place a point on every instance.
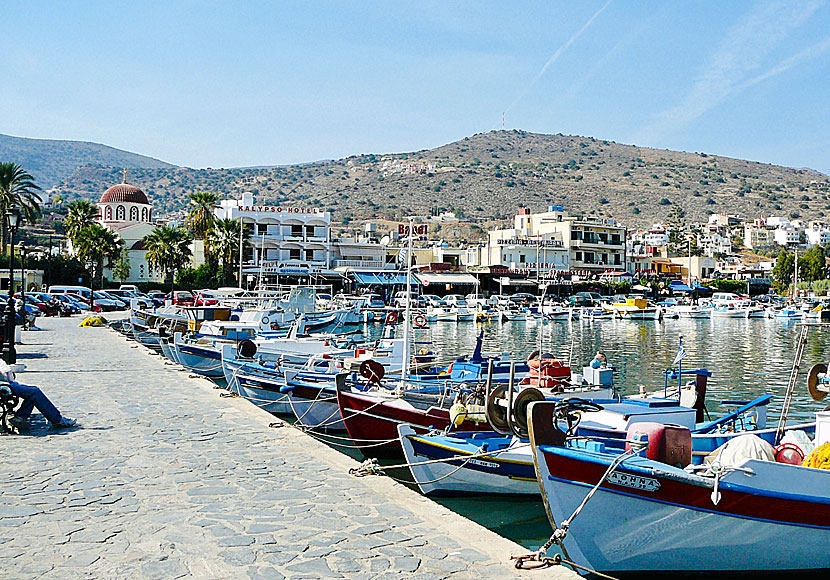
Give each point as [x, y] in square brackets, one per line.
[32, 397]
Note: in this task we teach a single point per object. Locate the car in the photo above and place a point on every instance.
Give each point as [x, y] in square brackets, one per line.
[129, 295]
[181, 297]
[374, 301]
[431, 300]
[585, 299]
[523, 299]
[109, 301]
[455, 300]
[205, 298]
[476, 300]
[44, 302]
[499, 300]
[70, 301]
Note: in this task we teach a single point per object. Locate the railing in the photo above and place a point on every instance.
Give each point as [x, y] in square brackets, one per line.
[377, 264]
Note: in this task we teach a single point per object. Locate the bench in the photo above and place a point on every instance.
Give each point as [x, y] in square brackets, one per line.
[8, 402]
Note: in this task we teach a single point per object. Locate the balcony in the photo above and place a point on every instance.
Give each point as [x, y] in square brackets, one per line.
[366, 264]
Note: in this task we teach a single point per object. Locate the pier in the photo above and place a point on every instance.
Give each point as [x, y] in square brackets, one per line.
[168, 479]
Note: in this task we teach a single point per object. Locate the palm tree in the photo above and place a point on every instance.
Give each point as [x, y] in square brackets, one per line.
[168, 248]
[79, 214]
[200, 217]
[224, 241]
[97, 246]
[17, 188]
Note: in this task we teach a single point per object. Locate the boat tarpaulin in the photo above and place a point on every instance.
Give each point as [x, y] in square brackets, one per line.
[427, 278]
[381, 278]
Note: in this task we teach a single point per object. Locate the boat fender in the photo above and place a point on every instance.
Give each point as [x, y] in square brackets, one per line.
[286, 389]
[246, 349]
[789, 453]
[458, 412]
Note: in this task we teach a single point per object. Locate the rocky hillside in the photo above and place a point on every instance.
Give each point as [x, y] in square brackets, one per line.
[488, 176]
[51, 161]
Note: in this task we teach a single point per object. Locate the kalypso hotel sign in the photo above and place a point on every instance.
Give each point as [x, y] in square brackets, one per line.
[278, 209]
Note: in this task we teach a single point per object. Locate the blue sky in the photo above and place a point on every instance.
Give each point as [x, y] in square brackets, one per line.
[224, 84]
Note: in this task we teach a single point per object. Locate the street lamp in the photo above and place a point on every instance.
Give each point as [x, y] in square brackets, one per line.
[23, 283]
[9, 353]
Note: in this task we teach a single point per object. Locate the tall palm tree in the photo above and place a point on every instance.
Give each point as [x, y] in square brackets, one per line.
[200, 217]
[224, 242]
[97, 246]
[17, 188]
[79, 214]
[168, 248]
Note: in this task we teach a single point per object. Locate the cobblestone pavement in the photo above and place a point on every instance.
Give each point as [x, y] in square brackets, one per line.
[166, 479]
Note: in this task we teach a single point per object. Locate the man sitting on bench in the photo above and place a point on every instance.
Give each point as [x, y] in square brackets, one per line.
[32, 398]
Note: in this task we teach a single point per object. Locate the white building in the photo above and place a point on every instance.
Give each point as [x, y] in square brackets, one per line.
[124, 209]
[786, 235]
[285, 240]
[817, 234]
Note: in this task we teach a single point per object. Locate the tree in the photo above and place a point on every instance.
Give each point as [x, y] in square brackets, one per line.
[676, 224]
[812, 265]
[224, 242]
[121, 269]
[200, 218]
[79, 214]
[782, 273]
[97, 246]
[17, 189]
[168, 249]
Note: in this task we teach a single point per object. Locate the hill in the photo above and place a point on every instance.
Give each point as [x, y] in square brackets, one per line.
[51, 161]
[488, 176]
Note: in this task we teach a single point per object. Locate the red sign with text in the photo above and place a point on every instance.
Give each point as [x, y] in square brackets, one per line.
[418, 230]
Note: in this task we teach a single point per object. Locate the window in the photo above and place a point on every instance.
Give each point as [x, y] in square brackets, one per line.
[309, 231]
[576, 235]
[144, 214]
[579, 256]
[615, 239]
[108, 213]
[297, 231]
[133, 214]
[522, 259]
[119, 213]
[616, 259]
[294, 254]
[309, 255]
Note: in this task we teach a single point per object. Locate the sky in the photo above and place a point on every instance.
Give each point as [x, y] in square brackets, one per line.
[232, 84]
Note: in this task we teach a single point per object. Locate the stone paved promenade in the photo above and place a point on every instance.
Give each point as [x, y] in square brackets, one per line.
[166, 479]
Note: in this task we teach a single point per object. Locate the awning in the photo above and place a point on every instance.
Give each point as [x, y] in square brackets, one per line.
[381, 278]
[680, 287]
[427, 278]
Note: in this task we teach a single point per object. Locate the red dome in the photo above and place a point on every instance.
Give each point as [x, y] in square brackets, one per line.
[124, 193]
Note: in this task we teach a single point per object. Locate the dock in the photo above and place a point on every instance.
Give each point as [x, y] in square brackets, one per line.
[166, 478]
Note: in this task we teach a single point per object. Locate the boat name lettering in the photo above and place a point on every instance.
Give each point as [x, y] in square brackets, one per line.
[634, 481]
[482, 463]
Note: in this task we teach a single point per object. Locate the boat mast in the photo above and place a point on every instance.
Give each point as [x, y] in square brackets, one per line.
[405, 368]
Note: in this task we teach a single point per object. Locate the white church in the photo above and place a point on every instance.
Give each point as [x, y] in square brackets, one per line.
[124, 209]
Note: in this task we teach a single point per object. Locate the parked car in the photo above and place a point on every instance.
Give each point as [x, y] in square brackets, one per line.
[455, 300]
[523, 299]
[205, 298]
[498, 300]
[181, 297]
[129, 295]
[99, 307]
[431, 300]
[475, 300]
[374, 301]
[71, 301]
[117, 304]
[47, 306]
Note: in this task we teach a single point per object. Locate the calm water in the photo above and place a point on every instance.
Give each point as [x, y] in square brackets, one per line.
[747, 358]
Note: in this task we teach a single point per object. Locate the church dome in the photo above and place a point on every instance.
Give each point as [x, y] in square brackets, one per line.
[124, 193]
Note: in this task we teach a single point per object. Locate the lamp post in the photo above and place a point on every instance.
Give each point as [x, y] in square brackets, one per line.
[23, 283]
[9, 354]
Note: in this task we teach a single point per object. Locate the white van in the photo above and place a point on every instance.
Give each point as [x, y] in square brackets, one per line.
[79, 290]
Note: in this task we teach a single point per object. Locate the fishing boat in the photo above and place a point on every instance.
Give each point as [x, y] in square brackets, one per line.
[636, 308]
[648, 511]
[694, 311]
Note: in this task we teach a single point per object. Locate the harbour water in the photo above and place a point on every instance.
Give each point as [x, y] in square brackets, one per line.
[747, 358]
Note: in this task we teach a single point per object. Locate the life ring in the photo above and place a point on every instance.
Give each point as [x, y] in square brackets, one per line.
[392, 317]
[420, 321]
[265, 320]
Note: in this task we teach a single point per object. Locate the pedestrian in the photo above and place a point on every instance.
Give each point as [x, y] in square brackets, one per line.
[33, 398]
